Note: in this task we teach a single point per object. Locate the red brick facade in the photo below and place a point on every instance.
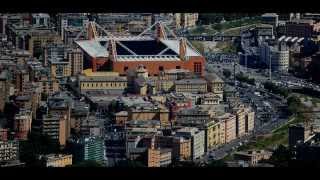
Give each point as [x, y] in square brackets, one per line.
[194, 64]
[97, 63]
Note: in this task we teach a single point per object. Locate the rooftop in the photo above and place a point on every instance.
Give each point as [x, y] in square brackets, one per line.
[135, 100]
[143, 123]
[213, 77]
[270, 15]
[224, 116]
[190, 81]
[301, 21]
[3, 75]
[23, 98]
[45, 15]
[102, 97]
[56, 156]
[89, 72]
[103, 78]
[191, 130]
[173, 71]
[122, 113]
[193, 111]
[93, 48]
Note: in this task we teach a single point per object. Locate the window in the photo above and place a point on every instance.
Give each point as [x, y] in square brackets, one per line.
[178, 67]
[246, 124]
[41, 21]
[197, 68]
[125, 68]
[34, 21]
[160, 68]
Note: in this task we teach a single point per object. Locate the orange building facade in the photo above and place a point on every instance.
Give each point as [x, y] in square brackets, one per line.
[154, 67]
[194, 64]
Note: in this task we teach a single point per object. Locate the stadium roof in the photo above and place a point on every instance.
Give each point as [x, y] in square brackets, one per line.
[93, 48]
[142, 47]
[174, 45]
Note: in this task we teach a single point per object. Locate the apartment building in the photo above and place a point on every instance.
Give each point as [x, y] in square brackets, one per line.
[56, 160]
[227, 127]
[197, 140]
[191, 86]
[22, 124]
[215, 85]
[159, 157]
[9, 150]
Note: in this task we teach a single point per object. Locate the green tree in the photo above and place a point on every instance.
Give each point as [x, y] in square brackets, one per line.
[198, 45]
[281, 157]
[313, 70]
[210, 18]
[184, 164]
[271, 87]
[44, 96]
[226, 73]
[294, 104]
[130, 163]
[231, 48]
[217, 163]
[35, 145]
[217, 26]
[242, 78]
[10, 110]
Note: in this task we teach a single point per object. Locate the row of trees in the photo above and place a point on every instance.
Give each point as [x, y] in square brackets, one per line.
[226, 73]
[243, 78]
[211, 18]
[273, 88]
[313, 69]
[237, 23]
[35, 145]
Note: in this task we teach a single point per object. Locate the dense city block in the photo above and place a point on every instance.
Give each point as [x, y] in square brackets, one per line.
[159, 90]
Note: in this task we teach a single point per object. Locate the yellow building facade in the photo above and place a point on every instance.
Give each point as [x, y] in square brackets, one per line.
[145, 114]
[57, 160]
[153, 157]
[213, 140]
[102, 83]
[191, 86]
[60, 69]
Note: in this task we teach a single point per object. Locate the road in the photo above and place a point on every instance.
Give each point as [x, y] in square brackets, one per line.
[261, 129]
[224, 150]
[260, 77]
